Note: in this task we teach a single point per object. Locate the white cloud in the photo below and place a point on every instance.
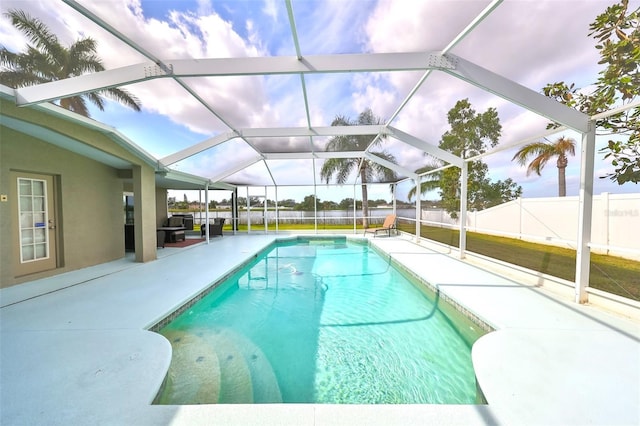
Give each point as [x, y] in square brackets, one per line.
[533, 43]
[270, 9]
[204, 7]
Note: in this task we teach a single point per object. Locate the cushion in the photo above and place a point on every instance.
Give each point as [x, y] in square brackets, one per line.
[175, 221]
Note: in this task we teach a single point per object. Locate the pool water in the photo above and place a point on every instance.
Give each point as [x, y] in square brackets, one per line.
[318, 321]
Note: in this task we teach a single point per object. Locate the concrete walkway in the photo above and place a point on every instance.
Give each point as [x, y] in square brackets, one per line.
[74, 348]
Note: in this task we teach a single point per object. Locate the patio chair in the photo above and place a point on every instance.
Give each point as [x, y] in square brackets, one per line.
[388, 225]
[215, 228]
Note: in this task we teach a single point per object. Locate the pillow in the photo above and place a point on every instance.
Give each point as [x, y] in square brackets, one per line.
[175, 221]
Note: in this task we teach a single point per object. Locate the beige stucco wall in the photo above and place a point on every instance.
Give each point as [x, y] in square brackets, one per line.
[90, 218]
[145, 218]
[90, 222]
[162, 212]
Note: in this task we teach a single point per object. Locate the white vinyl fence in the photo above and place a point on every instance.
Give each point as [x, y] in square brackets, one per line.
[615, 227]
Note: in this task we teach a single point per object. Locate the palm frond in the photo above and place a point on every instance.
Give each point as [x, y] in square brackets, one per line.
[341, 167]
[123, 97]
[7, 58]
[537, 164]
[565, 146]
[17, 79]
[76, 104]
[530, 150]
[380, 172]
[95, 98]
[543, 152]
[342, 143]
[47, 60]
[35, 30]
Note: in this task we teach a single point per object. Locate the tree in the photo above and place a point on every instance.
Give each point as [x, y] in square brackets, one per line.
[308, 204]
[428, 182]
[617, 35]
[347, 203]
[470, 135]
[328, 205]
[47, 60]
[368, 170]
[494, 193]
[289, 202]
[542, 152]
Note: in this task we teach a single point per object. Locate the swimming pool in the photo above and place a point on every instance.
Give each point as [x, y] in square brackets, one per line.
[319, 321]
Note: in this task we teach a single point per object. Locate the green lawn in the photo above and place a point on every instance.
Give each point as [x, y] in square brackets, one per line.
[612, 274]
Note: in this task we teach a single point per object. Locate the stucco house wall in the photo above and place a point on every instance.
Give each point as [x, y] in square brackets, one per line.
[89, 212]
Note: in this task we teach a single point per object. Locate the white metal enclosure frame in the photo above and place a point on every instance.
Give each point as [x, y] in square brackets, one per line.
[306, 65]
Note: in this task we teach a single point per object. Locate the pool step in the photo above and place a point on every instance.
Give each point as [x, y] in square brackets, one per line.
[235, 377]
[217, 366]
[194, 373]
[262, 379]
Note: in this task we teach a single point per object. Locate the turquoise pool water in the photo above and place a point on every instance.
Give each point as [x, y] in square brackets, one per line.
[319, 321]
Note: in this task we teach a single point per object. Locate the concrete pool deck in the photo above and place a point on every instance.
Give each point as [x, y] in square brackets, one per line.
[74, 348]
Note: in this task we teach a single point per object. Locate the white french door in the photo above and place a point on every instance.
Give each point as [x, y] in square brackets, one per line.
[36, 235]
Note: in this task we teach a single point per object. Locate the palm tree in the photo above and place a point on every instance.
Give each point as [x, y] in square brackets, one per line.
[428, 182]
[545, 151]
[368, 170]
[47, 60]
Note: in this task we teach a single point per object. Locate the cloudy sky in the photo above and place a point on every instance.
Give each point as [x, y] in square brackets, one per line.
[532, 42]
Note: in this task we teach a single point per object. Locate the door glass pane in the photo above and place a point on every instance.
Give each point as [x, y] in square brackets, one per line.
[24, 186]
[26, 204]
[38, 204]
[40, 235]
[26, 220]
[26, 237]
[27, 253]
[32, 207]
[41, 251]
[38, 187]
[39, 220]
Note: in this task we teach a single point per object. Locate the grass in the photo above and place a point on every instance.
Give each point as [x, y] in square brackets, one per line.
[608, 273]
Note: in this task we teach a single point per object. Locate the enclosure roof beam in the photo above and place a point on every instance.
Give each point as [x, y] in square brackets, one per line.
[518, 94]
[448, 63]
[211, 67]
[266, 166]
[197, 148]
[311, 155]
[159, 62]
[426, 147]
[271, 132]
[312, 131]
[389, 165]
[457, 39]
[237, 168]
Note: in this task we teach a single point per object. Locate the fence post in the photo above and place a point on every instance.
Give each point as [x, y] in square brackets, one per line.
[520, 218]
